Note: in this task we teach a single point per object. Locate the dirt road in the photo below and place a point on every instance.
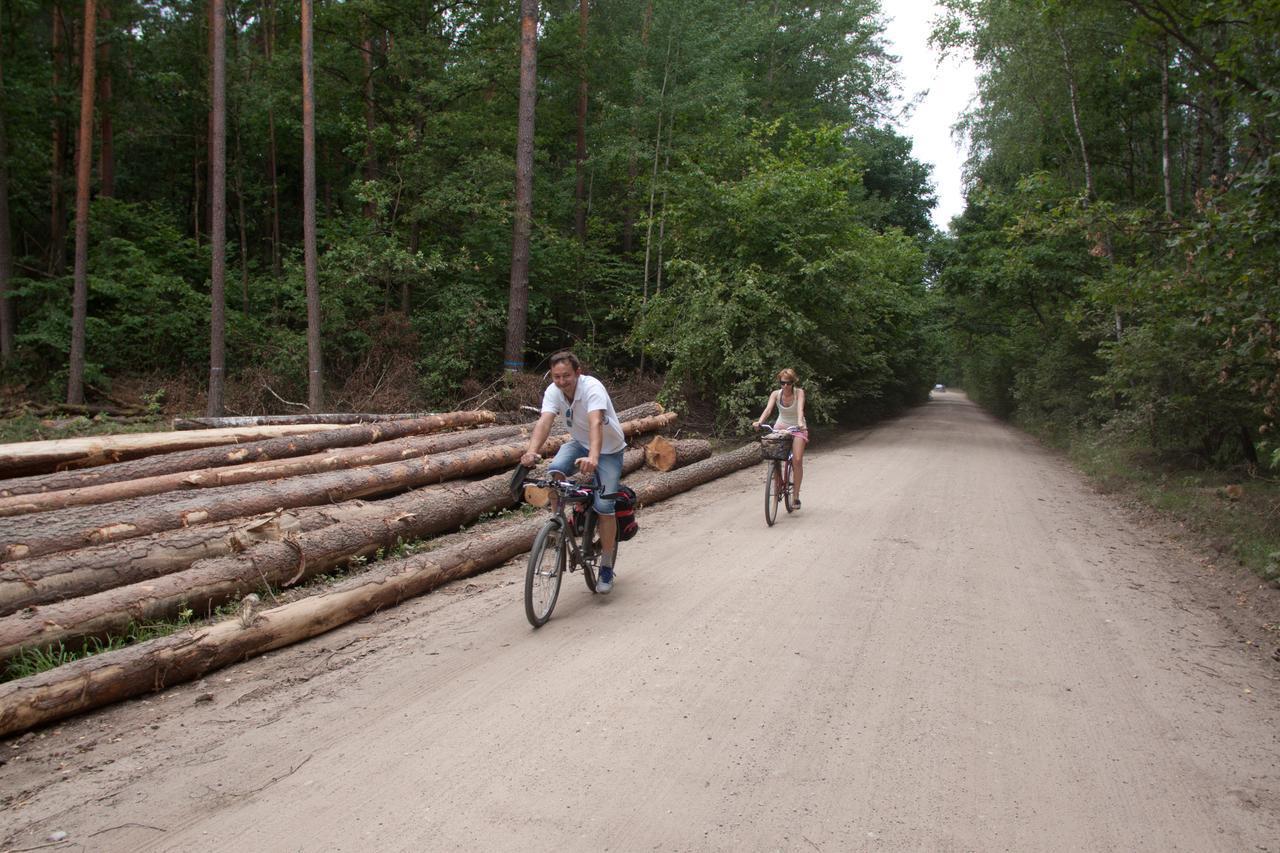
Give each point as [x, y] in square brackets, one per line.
[956, 646]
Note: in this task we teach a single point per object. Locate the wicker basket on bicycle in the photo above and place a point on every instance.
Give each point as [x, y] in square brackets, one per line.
[776, 446]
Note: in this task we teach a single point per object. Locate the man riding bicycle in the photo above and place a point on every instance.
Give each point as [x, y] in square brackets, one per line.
[595, 446]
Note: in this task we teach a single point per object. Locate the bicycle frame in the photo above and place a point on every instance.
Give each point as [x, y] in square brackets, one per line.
[778, 482]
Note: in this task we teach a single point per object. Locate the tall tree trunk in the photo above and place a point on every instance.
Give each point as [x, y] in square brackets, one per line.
[243, 228]
[1075, 116]
[518, 308]
[106, 153]
[1165, 166]
[84, 165]
[653, 182]
[315, 377]
[662, 220]
[580, 213]
[370, 153]
[57, 213]
[633, 161]
[6, 246]
[406, 293]
[218, 206]
[1220, 148]
[195, 197]
[268, 46]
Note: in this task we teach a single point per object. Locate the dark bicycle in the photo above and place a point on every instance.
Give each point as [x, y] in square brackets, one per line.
[775, 448]
[567, 542]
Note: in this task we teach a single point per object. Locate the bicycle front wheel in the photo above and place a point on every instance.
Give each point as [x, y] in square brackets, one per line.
[772, 475]
[542, 578]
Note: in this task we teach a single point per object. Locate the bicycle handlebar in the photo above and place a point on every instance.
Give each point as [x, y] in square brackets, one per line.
[565, 487]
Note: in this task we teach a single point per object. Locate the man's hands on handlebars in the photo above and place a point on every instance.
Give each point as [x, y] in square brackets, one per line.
[586, 465]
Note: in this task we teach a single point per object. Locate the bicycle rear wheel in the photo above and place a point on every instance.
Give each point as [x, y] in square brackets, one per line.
[771, 475]
[787, 485]
[542, 578]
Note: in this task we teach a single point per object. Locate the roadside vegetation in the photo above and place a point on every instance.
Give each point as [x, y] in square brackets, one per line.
[1114, 282]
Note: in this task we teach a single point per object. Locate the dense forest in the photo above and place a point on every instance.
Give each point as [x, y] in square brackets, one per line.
[702, 193]
[1116, 267]
[685, 190]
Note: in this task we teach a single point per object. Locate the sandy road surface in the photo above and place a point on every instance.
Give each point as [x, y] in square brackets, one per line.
[956, 645]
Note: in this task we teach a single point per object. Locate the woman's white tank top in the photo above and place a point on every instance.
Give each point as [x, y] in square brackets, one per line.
[788, 415]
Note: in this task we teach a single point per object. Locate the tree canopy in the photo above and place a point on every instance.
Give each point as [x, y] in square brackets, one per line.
[748, 204]
[1116, 265]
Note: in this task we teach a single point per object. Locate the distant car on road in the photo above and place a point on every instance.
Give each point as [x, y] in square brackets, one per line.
[939, 387]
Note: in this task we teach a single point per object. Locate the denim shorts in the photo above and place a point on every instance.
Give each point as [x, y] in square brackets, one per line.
[608, 472]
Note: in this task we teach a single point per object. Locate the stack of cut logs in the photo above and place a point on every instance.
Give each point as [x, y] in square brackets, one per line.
[98, 534]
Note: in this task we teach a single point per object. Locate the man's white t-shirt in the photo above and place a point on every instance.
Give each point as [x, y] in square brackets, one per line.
[590, 397]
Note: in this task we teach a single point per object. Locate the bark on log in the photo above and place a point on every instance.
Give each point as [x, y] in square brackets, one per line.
[84, 571]
[344, 458]
[37, 457]
[257, 451]
[276, 420]
[663, 486]
[209, 583]
[153, 665]
[310, 539]
[156, 664]
[666, 454]
[65, 529]
[24, 537]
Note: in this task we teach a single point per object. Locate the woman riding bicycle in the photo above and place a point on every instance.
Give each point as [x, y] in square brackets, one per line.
[790, 402]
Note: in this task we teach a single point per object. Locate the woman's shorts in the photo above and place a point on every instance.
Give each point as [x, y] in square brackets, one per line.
[608, 472]
[799, 432]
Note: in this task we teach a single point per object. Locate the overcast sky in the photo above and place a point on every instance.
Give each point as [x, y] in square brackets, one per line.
[950, 88]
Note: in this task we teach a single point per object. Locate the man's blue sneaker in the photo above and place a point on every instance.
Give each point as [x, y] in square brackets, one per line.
[605, 581]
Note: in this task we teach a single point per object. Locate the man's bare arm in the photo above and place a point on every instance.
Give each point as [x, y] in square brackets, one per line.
[540, 432]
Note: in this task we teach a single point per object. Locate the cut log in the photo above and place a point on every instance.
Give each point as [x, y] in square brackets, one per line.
[84, 571]
[276, 420]
[153, 665]
[156, 664]
[666, 454]
[22, 537]
[257, 451]
[663, 486]
[36, 457]
[343, 458]
[644, 410]
[210, 583]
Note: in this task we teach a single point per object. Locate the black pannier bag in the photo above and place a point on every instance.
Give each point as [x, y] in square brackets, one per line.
[624, 510]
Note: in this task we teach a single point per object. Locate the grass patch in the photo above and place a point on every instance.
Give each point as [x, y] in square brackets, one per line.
[28, 427]
[1234, 511]
[36, 661]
